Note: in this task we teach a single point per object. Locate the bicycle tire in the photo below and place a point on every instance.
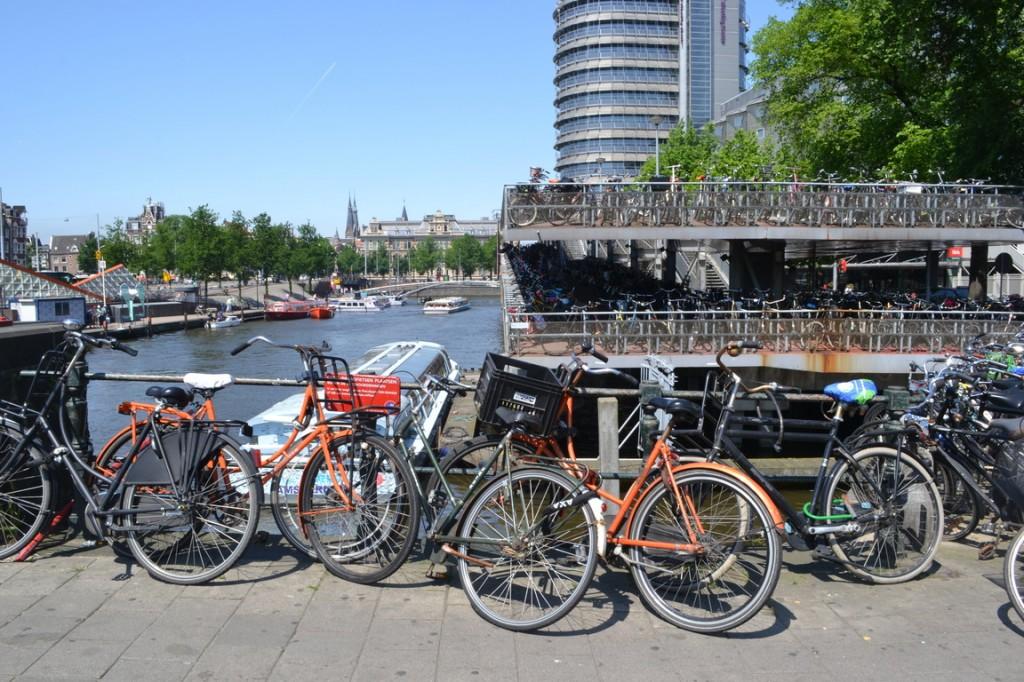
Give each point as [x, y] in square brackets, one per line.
[915, 517]
[1013, 573]
[109, 459]
[738, 550]
[219, 519]
[284, 505]
[26, 492]
[569, 548]
[372, 540]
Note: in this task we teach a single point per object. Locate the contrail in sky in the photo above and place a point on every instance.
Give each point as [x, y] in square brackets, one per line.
[313, 89]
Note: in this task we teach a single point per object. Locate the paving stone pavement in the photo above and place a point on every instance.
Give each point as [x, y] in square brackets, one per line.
[73, 613]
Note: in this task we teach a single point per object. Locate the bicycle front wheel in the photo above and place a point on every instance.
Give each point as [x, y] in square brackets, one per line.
[198, 532]
[1013, 573]
[26, 493]
[523, 563]
[360, 508]
[899, 511]
[710, 557]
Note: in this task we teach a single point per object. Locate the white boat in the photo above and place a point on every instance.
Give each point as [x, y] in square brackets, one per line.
[395, 299]
[224, 322]
[410, 360]
[354, 305]
[446, 306]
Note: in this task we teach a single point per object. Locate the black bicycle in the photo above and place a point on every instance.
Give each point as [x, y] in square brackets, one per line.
[186, 501]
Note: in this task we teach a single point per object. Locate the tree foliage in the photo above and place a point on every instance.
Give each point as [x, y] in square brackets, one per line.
[896, 86]
[425, 256]
[87, 254]
[697, 153]
[116, 246]
[464, 255]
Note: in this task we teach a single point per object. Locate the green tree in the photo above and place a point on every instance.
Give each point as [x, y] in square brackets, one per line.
[349, 260]
[160, 251]
[379, 260]
[896, 86]
[238, 254]
[202, 253]
[268, 247]
[489, 255]
[464, 255]
[425, 256]
[87, 254]
[116, 246]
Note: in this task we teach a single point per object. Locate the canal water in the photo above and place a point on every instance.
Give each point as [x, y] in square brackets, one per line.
[467, 335]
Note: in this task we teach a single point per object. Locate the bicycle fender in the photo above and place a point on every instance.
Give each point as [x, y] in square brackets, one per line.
[732, 472]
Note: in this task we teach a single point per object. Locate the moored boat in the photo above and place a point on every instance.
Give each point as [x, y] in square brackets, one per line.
[224, 322]
[288, 310]
[321, 312]
[446, 306]
[355, 305]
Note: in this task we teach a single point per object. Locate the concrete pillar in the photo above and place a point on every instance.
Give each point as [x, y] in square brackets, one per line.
[608, 441]
[978, 271]
[757, 264]
[814, 266]
[669, 264]
[610, 247]
[931, 272]
[634, 256]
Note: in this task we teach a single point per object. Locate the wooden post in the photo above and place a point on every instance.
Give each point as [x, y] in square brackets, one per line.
[608, 442]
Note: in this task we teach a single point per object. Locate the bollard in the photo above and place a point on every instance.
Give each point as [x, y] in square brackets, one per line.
[608, 443]
[649, 423]
[78, 408]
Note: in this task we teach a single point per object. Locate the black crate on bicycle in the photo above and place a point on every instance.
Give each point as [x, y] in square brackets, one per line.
[519, 386]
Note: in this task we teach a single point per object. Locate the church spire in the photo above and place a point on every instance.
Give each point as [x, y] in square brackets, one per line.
[405, 216]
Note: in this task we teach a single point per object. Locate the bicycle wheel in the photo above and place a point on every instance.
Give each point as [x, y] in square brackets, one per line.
[521, 568]
[1013, 573]
[736, 564]
[901, 541]
[463, 464]
[360, 507]
[961, 508]
[26, 494]
[197, 533]
[284, 504]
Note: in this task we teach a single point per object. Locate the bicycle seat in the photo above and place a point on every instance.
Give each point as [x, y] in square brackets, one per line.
[856, 392]
[1012, 428]
[677, 407]
[175, 396]
[208, 382]
[512, 418]
[1009, 402]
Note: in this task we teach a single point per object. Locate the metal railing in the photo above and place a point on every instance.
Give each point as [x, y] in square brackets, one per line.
[782, 331]
[763, 204]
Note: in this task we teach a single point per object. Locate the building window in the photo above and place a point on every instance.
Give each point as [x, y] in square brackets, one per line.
[62, 308]
[760, 133]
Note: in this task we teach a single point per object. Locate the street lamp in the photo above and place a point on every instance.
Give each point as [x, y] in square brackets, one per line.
[600, 162]
[656, 121]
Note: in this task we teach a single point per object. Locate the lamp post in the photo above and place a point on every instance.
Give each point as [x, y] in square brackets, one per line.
[656, 120]
[600, 162]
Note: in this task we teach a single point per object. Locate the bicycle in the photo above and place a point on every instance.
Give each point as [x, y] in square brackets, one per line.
[701, 543]
[332, 441]
[185, 501]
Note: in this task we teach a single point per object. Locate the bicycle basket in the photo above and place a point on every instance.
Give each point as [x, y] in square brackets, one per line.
[365, 392]
[519, 386]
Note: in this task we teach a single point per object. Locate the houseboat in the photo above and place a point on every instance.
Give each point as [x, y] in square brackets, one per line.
[446, 306]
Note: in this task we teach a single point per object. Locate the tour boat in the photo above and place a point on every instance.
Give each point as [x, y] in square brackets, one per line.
[321, 312]
[410, 360]
[224, 322]
[355, 305]
[446, 306]
[288, 310]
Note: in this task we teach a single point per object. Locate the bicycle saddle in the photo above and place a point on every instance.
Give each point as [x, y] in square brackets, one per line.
[1008, 402]
[175, 396]
[677, 407]
[856, 392]
[510, 417]
[208, 382]
[1012, 428]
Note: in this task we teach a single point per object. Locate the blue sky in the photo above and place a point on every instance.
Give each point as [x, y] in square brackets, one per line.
[278, 107]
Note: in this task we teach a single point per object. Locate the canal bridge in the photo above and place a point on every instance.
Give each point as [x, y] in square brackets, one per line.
[471, 288]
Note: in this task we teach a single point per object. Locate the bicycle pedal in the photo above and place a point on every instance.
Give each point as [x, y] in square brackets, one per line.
[987, 551]
[825, 552]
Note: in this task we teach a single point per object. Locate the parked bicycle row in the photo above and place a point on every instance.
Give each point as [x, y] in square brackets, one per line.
[518, 517]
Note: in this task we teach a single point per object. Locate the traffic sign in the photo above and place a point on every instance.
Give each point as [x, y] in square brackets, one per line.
[101, 264]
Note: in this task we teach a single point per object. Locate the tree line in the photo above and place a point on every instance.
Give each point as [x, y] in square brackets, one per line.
[203, 247]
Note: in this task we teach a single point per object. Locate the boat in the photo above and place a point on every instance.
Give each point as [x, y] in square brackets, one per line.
[395, 299]
[410, 360]
[321, 312]
[288, 310]
[446, 306]
[223, 322]
[355, 305]
[5, 321]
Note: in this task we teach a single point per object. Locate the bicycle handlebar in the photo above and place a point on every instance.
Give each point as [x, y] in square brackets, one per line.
[101, 342]
[305, 350]
[445, 384]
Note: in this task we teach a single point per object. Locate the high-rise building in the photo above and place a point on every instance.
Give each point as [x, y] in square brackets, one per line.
[629, 70]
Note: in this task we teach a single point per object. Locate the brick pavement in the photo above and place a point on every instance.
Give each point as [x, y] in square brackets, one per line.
[72, 613]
